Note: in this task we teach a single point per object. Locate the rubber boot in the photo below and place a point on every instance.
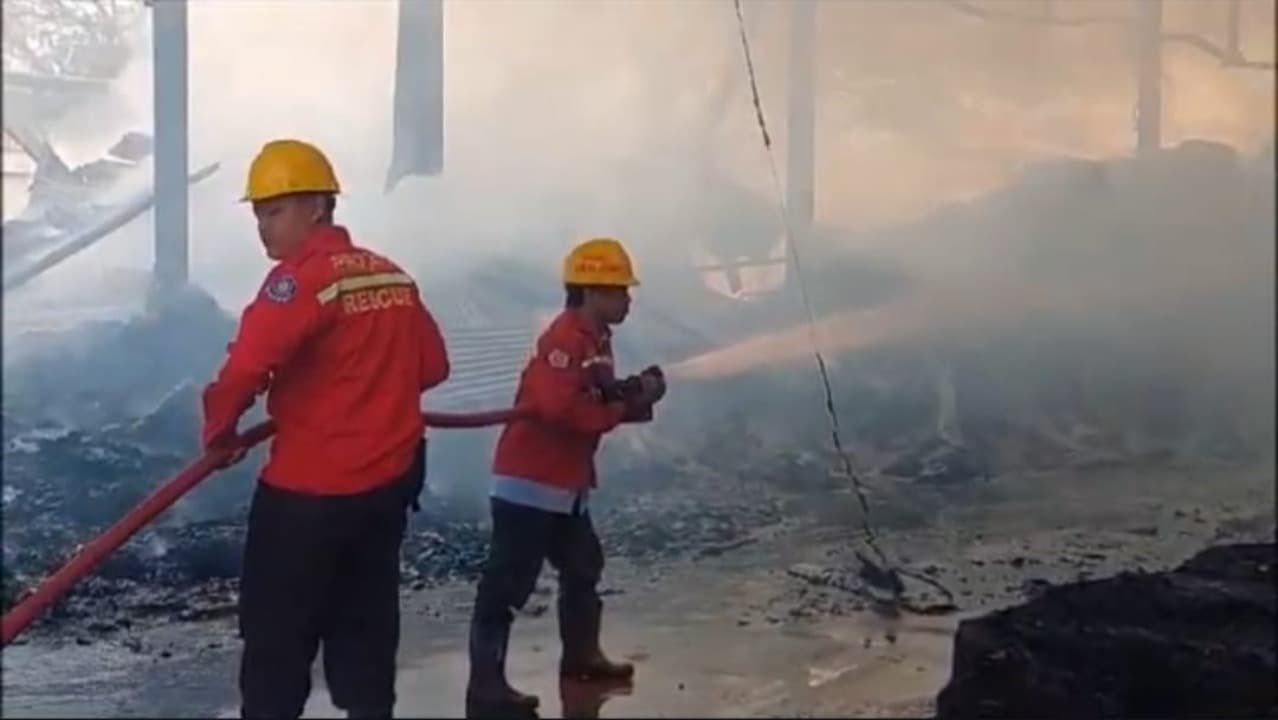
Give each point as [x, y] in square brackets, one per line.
[369, 714]
[583, 660]
[488, 694]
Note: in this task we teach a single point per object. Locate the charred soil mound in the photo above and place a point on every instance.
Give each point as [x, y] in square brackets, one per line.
[1194, 642]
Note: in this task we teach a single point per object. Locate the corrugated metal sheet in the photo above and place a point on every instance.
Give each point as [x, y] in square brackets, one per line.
[486, 364]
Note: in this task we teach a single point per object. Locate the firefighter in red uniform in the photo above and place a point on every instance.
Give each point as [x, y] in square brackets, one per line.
[342, 345]
[544, 470]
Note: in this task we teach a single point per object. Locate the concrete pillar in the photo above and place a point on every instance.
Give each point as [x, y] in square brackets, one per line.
[417, 143]
[800, 120]
[1149, 82]
[169, 93]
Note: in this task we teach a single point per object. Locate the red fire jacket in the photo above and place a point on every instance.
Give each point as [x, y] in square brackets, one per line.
[557, 446]
[341, 343]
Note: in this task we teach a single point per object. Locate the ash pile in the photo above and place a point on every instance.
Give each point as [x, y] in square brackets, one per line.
[95, 417]
[1197, 641]
[1091, 314]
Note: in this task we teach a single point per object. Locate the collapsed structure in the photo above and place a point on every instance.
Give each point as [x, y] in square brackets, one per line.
[929, 409]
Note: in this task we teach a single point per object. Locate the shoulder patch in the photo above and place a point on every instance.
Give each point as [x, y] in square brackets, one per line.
[281, 289]
[558, 359]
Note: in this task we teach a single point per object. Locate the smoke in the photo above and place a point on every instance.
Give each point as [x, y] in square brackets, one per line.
[1134, 296]
[548, 107]
[569, 118]
[973, 288]
[572, 118]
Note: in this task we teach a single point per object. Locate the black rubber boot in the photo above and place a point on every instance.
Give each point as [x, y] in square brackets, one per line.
[488, 694]
[582, 659]
[369, 714]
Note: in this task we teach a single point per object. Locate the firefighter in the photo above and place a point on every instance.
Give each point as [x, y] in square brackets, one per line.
[343, 347]
[544, 471]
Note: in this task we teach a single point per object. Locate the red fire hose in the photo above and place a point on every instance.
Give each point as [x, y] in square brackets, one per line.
[93, 553]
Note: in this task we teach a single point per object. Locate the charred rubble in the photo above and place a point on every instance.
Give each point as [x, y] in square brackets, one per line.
[1197, 641]
[62, 486]
[94, 419]
[82, 449]
[1073, 383]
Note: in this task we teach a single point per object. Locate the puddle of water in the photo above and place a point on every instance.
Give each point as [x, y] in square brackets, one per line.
[692, 659]
[105, 679]
[688, 667]
[68, 681]
[434, 685]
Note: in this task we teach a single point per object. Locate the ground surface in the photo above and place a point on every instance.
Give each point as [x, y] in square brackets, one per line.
[776, 625]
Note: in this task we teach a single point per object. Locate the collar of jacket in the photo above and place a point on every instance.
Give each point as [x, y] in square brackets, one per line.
[322, 237]
[585, 327]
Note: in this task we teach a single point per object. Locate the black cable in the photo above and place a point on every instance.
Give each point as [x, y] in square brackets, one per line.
[890, 569]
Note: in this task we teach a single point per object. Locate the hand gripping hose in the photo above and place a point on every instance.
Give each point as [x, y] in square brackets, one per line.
[92, 554]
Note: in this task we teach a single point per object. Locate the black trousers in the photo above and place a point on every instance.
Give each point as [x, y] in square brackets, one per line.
[322, 570]
[522, 539]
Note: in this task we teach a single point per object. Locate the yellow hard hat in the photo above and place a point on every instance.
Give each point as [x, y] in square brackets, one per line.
[599, 261]
[284, 167]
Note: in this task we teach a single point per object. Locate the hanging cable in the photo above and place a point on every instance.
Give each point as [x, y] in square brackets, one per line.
[886, 573]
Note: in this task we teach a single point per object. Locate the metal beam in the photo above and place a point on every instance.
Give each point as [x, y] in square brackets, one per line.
[117, 218]
[169, 93]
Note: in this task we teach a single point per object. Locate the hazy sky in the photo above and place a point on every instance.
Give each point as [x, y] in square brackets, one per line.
[573, 118]
[632, 117]
[567, 118]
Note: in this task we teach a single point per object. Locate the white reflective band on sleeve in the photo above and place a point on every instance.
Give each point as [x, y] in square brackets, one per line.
[361, 282]
[597, 360]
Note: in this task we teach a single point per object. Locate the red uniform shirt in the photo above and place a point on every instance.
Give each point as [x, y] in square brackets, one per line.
[341, 343]
[557, 446]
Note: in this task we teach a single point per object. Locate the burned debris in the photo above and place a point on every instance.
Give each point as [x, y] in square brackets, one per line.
[1197, 641]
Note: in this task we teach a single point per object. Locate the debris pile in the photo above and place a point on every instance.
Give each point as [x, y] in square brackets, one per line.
[1194, 642]
[66, 482]
[93, 419]
[1119, 315]
[89, 375]
[64, 485]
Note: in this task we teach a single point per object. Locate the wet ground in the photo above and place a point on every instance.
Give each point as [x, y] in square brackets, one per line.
[696, 657]
[741, 632]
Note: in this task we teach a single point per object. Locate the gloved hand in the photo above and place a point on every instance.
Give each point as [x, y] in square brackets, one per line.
[224, 442]
[642, 390]
[653, 384]
[233, 457]
[623, 390]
